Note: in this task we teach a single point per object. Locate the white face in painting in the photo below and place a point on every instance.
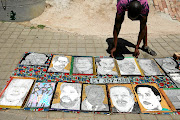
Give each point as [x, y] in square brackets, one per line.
[126, 66]
[176, 77]
[83, 64]
[147, 66]
[148, 99]
[169, 64]
[36, 59]
[107, 64]
[122, 99]
[60, 64]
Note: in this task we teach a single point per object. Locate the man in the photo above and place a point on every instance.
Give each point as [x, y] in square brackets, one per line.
[137, 10]
[149, 97]
[83, 65]
[123, 100]
[94, 100]
[59, 63]
[105, 66]
[69, 97]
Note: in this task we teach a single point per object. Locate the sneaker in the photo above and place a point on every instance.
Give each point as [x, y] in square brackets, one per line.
[149, 50]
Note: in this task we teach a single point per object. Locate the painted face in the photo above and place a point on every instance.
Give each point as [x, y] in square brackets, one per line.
[148, 99]
[169, 63]
[126, 66]
[60, 64]
[147, 66]
[122, 99]
[36, 59]
[107, 64]
[83, 65]
[176, 77]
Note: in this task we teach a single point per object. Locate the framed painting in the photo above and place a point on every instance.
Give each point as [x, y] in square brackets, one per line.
[175, 77]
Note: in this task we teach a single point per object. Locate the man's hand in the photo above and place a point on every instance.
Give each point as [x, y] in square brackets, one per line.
[136, 52]
[112, 51]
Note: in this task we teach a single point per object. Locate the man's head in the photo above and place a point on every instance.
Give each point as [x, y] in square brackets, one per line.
[126, 66]
[83, 63]
[122, 98]
[95, 94]
[134, 9]
[149, 97]
[60, 62]
[169, 63]
[107, 64]
[70, 94]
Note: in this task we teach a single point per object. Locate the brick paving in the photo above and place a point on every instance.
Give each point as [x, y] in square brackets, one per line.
[15, 39]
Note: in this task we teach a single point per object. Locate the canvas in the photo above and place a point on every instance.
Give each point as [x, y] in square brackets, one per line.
[94, 98]
[83, 65]
[34, 59]
[14, 94]
[150, 99]
[41, 95]
[109, 80]
[60, 63]
[128, 66]
[106, 66]
[175, 77]
[67, 96]
[149, 67]
[169, 65]
[122, 98]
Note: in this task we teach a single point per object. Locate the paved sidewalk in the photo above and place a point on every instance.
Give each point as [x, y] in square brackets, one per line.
[15, 39]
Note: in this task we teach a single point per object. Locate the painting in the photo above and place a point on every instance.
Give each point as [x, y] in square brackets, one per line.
[34, 59]
[169, 65]
[175, 77]
[83, 65]
[14, 94]
[122, 98]
[94, 98]
[149, 67]
[150, 99]
[60, 64]
[41, 95]
[106, 66]
[67, 96]
[128, 66]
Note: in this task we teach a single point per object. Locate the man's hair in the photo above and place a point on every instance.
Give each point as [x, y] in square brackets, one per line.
[156, 92]
[134, 9]
[130, 92]
[89, 87]
[56, 58]
[76, 86]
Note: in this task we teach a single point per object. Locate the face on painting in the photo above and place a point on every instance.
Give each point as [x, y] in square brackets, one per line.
[83, 64]
[106, 64]
[60, 63]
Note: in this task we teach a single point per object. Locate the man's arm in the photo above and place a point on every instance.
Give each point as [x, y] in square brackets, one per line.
[117, 27]
[142, 32]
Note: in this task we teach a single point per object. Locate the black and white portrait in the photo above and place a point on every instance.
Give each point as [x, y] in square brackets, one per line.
[106, 66]
[149, 67]
[95, 98]
[83, 65]
[169, 65]
[60, 64]
[175, 77]
[67, 96]
[174, 97]
[34, 59]
[128, 66]
[123, 100]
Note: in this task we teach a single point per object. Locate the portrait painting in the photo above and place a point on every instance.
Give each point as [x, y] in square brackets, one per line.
[60, 63]
[106, 66]
[41, 95]
[34, 59]
[149, 67]
[67, 96]
[128, 66]
[122, 99]
[169, 65]
[15, 93]
[175, 77]
[94, 98]
[150, 99]
[83, 65]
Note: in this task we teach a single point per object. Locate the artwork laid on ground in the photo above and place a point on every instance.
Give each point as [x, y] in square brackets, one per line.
[67, 96]
[34, 59]
[175, 77]
[150, 99]
[122, 98]
[149, 67]
[14, 94]
[83, 65]
[106, 66]
[94, 98]
[128, 66]
[169, 65]
[60, 63]
[41, 95]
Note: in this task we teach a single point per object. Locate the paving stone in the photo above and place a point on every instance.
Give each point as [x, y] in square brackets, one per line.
[100, 50]
[47, 41]
[44, 45]
[53, 45]
[55, 41]
[70, 115]
[43, 50]
[148, 117]
[72, 41]
[91, 54]
[86, 118]
[10, 116]
[26, 45]
[71, 50]
[175, 117]
[63, 41]
[81, 50]
[71, 119]
[117, 117]
[90, 50]
[73, 45]
[62, 50]
[82, 54]
[63, 45]
[163, 117]
[40, 114]
[35, 118]
[155, 44]
[81, 114]
[14, 36]
[49, 37]
[132, 116]
[101, 117]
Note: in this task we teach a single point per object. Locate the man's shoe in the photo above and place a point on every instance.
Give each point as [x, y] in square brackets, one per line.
[149, 50]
